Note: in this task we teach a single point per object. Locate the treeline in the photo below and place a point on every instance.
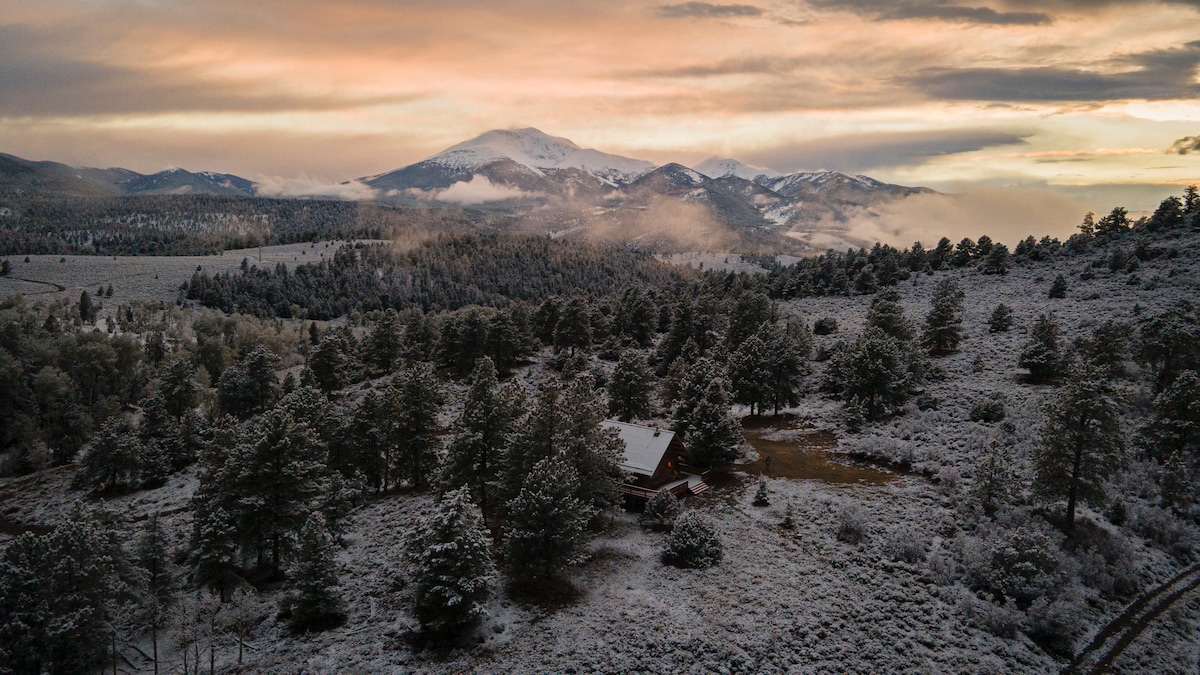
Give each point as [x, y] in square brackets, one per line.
[449, 272]
[197, 224]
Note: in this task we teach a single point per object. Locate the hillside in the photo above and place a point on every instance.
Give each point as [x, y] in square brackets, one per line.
[921, 538]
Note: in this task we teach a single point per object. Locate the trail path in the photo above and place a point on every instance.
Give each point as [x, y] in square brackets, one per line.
[1114, 638]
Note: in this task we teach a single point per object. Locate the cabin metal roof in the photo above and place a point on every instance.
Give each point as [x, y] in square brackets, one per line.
[644, 446]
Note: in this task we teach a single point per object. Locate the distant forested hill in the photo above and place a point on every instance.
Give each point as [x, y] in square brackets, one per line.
[197, 224]
[450, 272]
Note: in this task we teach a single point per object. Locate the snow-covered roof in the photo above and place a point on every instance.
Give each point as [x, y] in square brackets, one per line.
[644, 446]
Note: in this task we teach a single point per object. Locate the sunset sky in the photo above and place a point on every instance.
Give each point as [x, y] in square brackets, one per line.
[1086, 97]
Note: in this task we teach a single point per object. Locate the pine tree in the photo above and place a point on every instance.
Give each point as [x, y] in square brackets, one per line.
[1059, 288]
[1041, 354]
[995, 482]
[413, 401]
[383, 346]
[748, 375]
[761, 496]
[313, 599]
[250, 386]
[751, 309]
[629, 387]
[152, 558]
[713, 435]
[573, 330]
[547, 524]
[1175, 428]
[1170, 343]
[661, 511]
[886, 314]
[693, 543]
[943, 326]
[489, 418]
[330, 363]
[595, 452]
[87, 308]
[277, 477]
[996, 260]
[452, 566]
[178, 388]
[872, 371]
[1082, 444]
[1001, 320]
[536, 439]
[112, 459]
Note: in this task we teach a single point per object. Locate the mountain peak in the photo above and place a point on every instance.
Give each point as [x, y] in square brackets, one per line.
[720, 167]
[538, 151]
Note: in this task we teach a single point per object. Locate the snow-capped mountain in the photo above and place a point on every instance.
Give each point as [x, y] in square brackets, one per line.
[20, 176]
[538, 151]
[721, 167]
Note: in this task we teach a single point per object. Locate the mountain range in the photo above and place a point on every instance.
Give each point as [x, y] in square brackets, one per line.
[535, 177]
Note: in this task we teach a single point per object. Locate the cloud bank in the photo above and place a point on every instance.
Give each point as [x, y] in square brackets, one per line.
[274, 186]
[477, 191]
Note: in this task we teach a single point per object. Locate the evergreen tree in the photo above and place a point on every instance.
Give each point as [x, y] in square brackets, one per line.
[661, 511]
[313, 600]
[250, 386]
[995, 481]
[489, 418]
[943, 326]
[1059, 288]
[595, 452]
[537, 438]
[413, 401]
[693, 543]
[1170, 343]
[112, 459]
[452, 566]
[713, 435]
[751, 309]
[872, 372]
[275, 478]
[383, 346]
[1175, 428]
[1114, 224]
[177, 387]
[573, 329]
[886, 314]
[547, 524]
[329, 364]
[58, 595]
[151, 556]
[1041, 354]
[941, 255]
[371, 451]
[629, 387]
[996, 260]
[691, 390]
[87, 308]
[1001, 320]
[748, 373]
[1106, 347]
[1168, 216]
[1082, 444]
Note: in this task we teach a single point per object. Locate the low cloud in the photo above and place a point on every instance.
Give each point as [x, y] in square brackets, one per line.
[863, 152]
[1007, 215]
[937, 10]
[1156, 75]
[477, 191]
[704, 10]
[274, 186]
[1185, 146]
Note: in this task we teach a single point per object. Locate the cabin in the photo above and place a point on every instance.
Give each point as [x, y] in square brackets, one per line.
[656, 460]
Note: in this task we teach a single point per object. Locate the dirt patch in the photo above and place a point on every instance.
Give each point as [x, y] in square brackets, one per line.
[795, 450]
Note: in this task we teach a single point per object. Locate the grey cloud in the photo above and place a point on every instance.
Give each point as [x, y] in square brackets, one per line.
[705, 10]
[940, 10]
[745, 66]
[1185, 146]
[878, 151]
[1158, 75]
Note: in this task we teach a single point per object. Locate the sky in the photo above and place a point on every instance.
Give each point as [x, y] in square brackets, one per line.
[1098, 100]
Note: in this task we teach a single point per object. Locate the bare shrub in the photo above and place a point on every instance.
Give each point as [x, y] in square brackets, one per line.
[852, 523]
[907, 544]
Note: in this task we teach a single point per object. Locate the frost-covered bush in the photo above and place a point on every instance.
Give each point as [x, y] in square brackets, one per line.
[1020, 565]
[693, 543]
[1002, 620]
[1058, 620]
[661, 511]
[825, 326]
[852, 523]
[1162, 528]
[761, 497]
[928, 401]
[907, 544]
[989, 410]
